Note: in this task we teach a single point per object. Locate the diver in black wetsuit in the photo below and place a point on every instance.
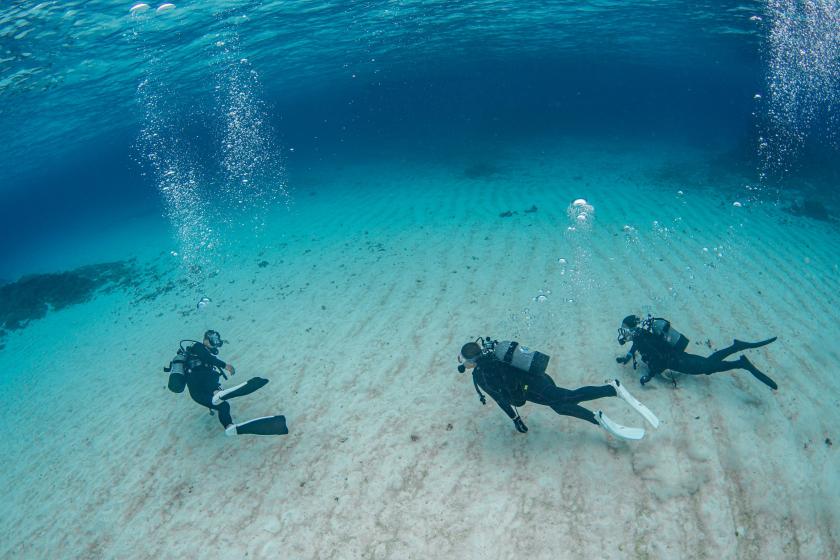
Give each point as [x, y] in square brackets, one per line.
[662, 347]
[511, 386]
[200, 370]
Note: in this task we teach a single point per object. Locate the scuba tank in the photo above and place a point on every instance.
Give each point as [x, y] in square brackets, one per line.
[664, 331]
[521, 357]
[177, 379]
[177, 369]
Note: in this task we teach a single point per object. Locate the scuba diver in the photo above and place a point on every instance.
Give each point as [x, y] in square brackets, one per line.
[197, 367]
[512, 374]
[663, 347]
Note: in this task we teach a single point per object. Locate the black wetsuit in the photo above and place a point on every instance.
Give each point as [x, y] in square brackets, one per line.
[511, 387]
[659, 356]
[202, 373]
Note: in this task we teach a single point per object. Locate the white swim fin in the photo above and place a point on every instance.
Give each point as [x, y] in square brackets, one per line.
[631, 400]
[217, 396]
[239, 390]
[618, 430]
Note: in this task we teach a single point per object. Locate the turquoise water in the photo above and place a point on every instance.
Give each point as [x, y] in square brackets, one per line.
[352, 79]
[358, 189]
[83, 83]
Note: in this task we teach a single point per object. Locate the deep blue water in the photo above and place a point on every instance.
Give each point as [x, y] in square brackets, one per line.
[357, 80]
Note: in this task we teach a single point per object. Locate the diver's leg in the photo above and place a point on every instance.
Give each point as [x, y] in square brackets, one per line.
[239, 390]
[654, 369]
[206, 398]
[222, 394]
[588, 393]
[263, 426]
[738, 346]
[543, 391]
[224, 414]
[747, 365]
[655, 366]
[574, 410]
[692, 364]
[599, 419]
[697, 365]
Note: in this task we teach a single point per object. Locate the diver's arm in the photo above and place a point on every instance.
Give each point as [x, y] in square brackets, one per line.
[629, 355]
[480, 380]
[513, 415]
[517, 420]
[213, 360]
[499, 397]
[508, 409]
[209, 359]
[481, 396]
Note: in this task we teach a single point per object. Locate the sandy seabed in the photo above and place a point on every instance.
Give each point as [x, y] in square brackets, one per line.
[354, 304]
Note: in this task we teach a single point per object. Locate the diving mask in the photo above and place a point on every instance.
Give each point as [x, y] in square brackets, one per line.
[214, 338]
[625, 334]
[464, 362]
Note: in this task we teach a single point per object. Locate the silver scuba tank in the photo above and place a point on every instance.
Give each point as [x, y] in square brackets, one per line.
[663, 329]
[521, 357]
[177, 379]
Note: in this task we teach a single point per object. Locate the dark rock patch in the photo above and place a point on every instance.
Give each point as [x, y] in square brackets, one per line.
[532, 209]
[157, 292]
[507, 214]
[32, 297]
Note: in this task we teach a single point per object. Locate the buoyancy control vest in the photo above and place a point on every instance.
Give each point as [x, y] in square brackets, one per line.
[662, 329]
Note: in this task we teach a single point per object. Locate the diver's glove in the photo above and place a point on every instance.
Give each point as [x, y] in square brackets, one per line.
[645, 378]
[520, 425]
[624, 359]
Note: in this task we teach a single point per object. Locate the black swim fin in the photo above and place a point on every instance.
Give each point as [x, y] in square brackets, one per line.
[265, 426]
[739, 345]
[747, 365]
[245, 389]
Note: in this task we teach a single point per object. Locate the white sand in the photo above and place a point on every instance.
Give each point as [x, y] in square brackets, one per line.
[357, 320]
